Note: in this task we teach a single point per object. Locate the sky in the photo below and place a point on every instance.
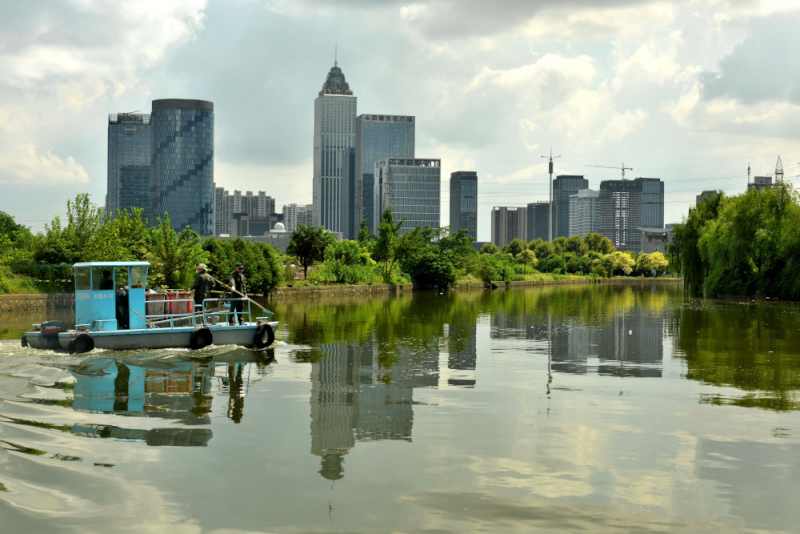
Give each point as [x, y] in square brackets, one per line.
[687, 91]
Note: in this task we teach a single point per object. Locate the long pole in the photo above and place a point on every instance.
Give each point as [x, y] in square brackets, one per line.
[550, 204]
[245, 296]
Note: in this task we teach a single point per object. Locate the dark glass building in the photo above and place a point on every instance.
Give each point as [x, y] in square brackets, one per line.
[538, 222]
[350, 223]
[128, 148]
[564, 186]
[412, 188]
[627, 206]
[377, 137]
[182, 165]
[464, 202]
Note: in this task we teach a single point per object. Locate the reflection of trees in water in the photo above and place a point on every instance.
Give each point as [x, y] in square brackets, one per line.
[575, 323]
[754, 347]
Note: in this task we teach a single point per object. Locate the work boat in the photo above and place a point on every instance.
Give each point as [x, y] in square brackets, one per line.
[114, 310]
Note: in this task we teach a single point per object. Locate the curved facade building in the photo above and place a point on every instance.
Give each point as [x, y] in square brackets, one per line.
[182, 166]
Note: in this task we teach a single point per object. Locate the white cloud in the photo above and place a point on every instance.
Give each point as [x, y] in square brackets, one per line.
[621, 124]
[24, 162]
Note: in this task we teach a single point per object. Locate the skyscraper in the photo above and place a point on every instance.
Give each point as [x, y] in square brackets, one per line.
[509, 223]
[182, 164]
[627, 206]
[334, 130]
[464, 202]
[538, 223]
[563, 187]
[377, 137]
[412, 187]
[348, 202]
[583, 212]
[128, 181]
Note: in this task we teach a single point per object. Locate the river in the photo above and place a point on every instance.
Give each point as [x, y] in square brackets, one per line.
[605, 408]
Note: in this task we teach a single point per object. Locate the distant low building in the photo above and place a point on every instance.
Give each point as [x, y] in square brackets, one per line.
[655, 239]
[760, 182]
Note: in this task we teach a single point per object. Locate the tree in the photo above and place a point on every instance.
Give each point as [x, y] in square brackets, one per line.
[686, 241]
[597, 243]
[527, 257]
[515, 247]
[348, 252]
[544, 250]
[388, 230]
[365, 235]
[489, 248]
[308, 243]
[621, 263]
[646, 263]
[576, 245]
[174, 256]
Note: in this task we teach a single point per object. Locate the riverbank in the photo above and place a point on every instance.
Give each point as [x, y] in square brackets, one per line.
[60, 301]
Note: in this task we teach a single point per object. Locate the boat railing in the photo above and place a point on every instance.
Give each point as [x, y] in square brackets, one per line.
[230, 316]
[209, 316]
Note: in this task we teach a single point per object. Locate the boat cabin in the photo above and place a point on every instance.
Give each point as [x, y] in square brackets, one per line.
[110, 295]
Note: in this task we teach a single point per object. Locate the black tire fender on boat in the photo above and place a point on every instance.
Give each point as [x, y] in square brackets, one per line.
[81, 343]
[264, 336]
[24, 341]
[201, 338]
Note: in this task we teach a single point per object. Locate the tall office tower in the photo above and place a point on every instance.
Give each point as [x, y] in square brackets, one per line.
[464, 202]
[412, 187]
[583, 210]
[538, 223]
[182, 173]
[377, 137]
[334, 130]
[290, 217]
[305, 215]
[129, 149]
[348, 201]
[627, 206]
[509, 223]
[222, 218]
[563, 187]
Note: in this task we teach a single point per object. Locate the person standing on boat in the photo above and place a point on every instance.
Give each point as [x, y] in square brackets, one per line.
[203, 284]
[238, 283]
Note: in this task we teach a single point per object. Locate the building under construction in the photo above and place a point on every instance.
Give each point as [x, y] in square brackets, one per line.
[628, 205]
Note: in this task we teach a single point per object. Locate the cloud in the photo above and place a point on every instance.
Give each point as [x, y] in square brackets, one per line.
[23, 162]
[61, 63]
[762, 68]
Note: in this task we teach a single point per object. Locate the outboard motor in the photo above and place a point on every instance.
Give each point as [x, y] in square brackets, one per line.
[50, 330]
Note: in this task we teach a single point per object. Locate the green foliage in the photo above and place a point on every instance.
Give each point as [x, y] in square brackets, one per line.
[430, 269]
[349, 253]
[542, 249]
[173, 257]
[489, 248]
[597, 243]
[645, 263]
[365, 235]
[515, 247]
[686, 242]
[576, 245]
[620, 263]
[555, 264]
[384, 248]
[527, 257]
[263, 265]
[308, 243]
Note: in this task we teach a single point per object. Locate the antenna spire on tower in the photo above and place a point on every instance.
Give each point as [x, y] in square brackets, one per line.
[779, 170]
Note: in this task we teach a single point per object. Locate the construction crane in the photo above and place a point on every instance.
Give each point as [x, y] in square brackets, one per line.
[623, 168]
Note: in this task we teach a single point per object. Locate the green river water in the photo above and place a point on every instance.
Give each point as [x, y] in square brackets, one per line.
[606, 408]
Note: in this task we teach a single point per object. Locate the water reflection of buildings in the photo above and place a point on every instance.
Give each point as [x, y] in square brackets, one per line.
[178, 390]
[633, 338]
[355, 397]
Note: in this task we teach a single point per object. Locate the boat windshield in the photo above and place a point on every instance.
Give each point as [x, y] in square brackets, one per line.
[138, 276]
[83, 281]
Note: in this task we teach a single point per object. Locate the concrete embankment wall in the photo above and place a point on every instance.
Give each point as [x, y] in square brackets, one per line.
[40, 301]
[45, 301]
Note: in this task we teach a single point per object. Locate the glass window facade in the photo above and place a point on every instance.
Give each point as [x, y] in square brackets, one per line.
[377, 137]
[464, 202]
[128, 146]
[563, 187]
[412, 187]
[334, 131]
[182, 165]
[625, 207]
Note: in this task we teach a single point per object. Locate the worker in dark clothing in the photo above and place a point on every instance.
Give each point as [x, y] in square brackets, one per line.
[203, 284]
[238, 283]
[106, 282]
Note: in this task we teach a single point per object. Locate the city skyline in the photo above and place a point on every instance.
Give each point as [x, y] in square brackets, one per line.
[664, 88]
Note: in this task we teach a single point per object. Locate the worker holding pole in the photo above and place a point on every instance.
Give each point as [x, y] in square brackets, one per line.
[239, 285]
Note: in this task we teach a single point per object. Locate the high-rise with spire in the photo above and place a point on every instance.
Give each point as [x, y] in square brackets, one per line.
[334, 131]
